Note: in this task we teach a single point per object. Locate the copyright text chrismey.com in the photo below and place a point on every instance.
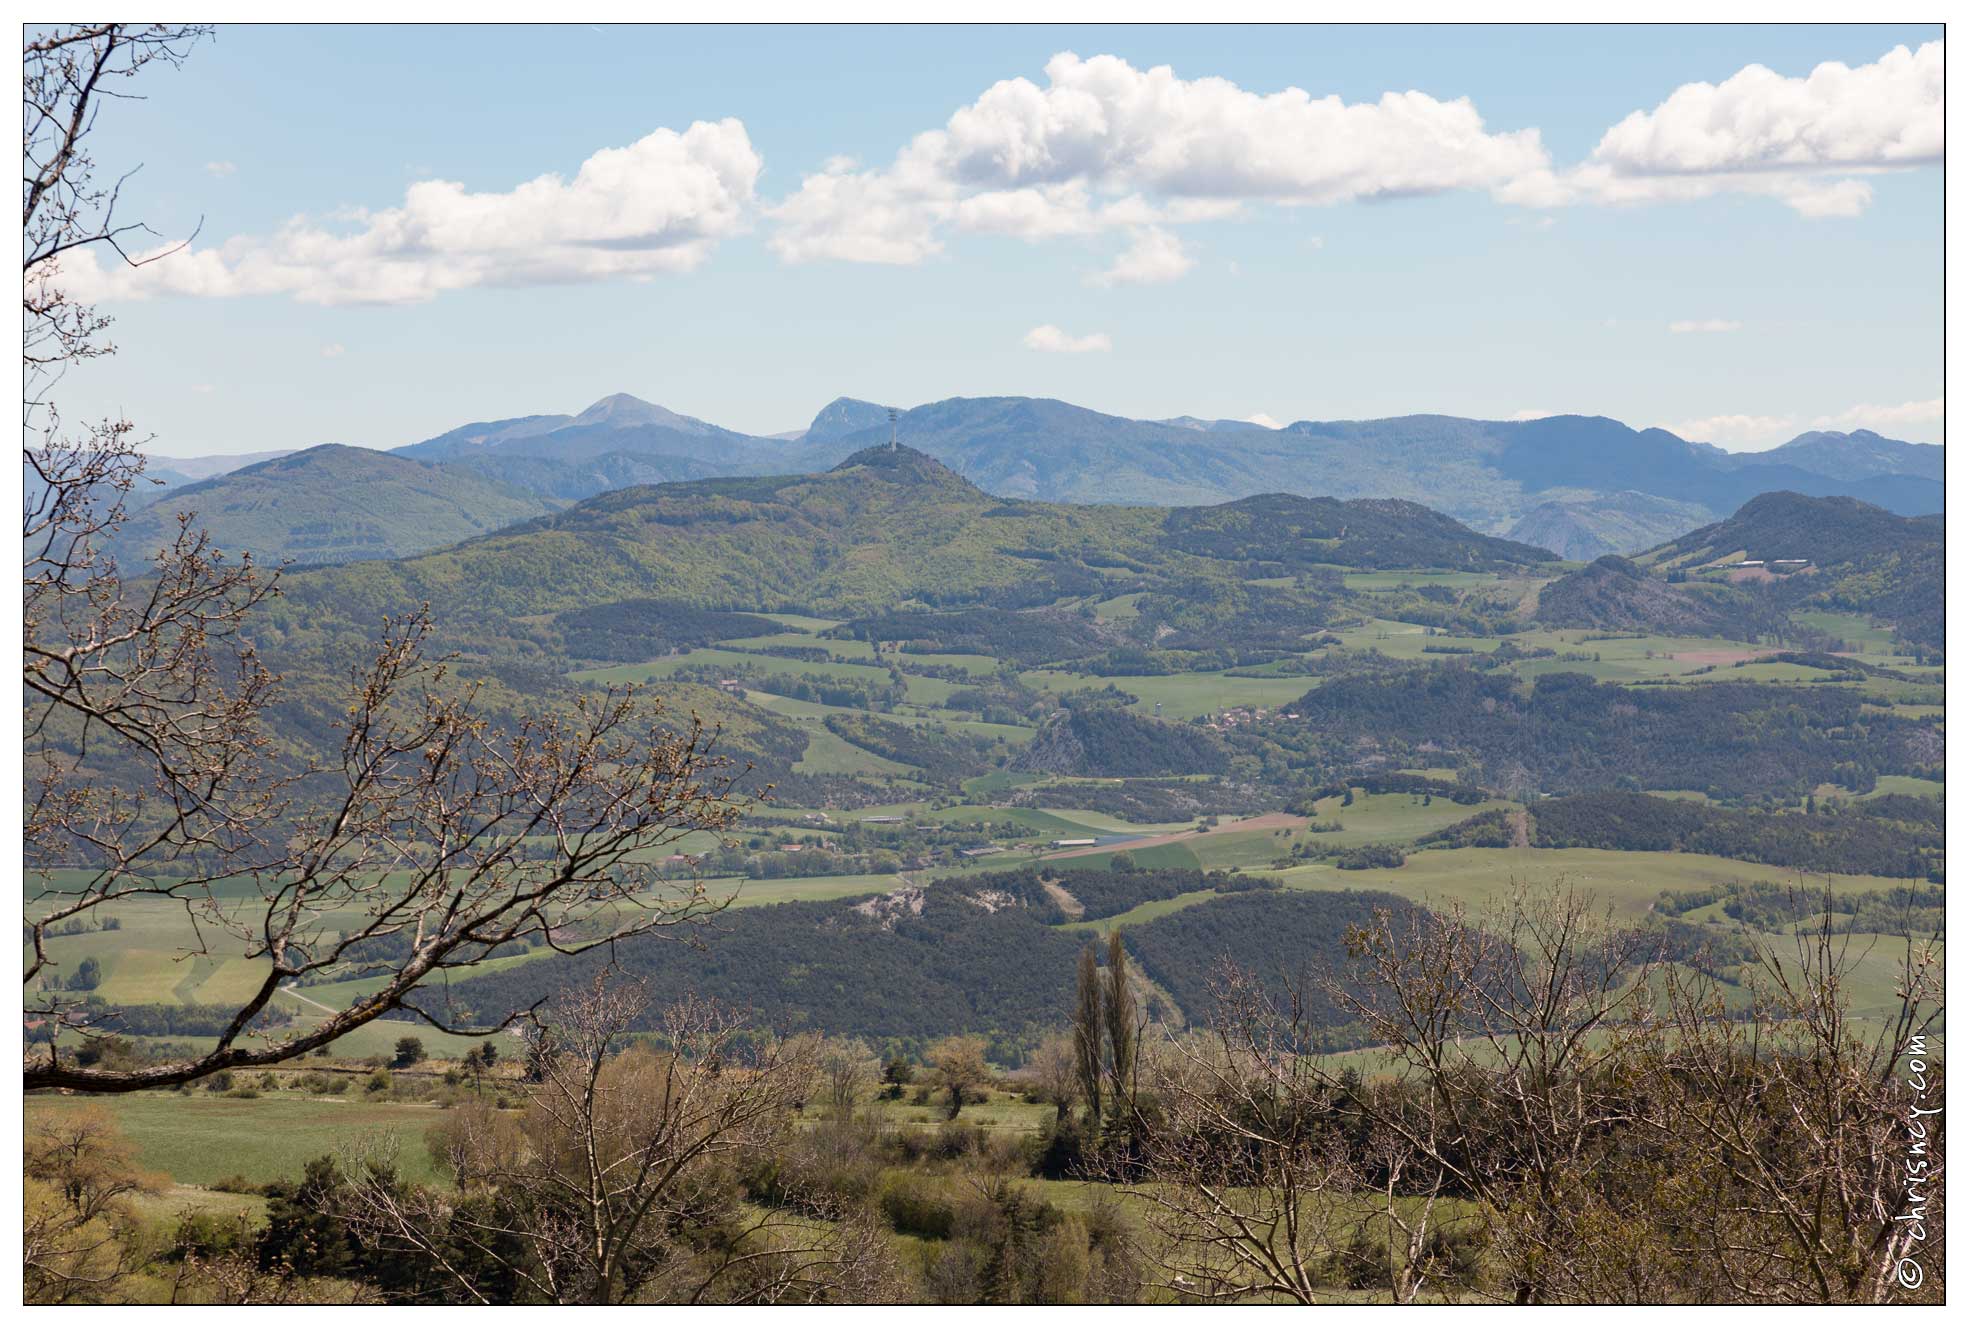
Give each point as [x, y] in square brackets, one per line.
[1908, 1272]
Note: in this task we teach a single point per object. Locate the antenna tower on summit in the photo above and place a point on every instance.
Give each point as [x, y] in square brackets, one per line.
[892, 429]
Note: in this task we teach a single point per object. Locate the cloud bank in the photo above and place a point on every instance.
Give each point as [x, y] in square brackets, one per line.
[659, 205]
[1100, 150]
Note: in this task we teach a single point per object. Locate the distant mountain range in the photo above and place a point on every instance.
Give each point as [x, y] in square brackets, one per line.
[1580, 486]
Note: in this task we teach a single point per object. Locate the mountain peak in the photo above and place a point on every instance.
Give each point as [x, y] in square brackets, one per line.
[844, 416]
[619, 410]
[902, 463]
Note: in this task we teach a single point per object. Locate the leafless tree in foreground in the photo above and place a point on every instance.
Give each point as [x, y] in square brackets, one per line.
[1257, 1181]
[1515, 1033]
[425, 839]
[849, 1068]
[1632, 1129]
[1555, 1110]
[614, 1185]
[1821, 1168]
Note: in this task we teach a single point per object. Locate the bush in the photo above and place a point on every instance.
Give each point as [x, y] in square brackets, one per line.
[1370, 856]
[956, 1139]
[917, 1206]
[207, 1235]
[1064, 1151]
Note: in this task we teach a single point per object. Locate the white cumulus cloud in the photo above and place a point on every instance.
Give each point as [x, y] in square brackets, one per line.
[659, 205]
[333, 350]
[1106, 145]
[1807, 141]
[1046, 337]
[220, 168]
[1155, 255]
[1682, 325]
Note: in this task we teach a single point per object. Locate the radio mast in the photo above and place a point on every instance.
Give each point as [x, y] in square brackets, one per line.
[892, 429]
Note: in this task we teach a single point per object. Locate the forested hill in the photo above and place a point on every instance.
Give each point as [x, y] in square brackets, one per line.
[1831, 532]
[330, 504]
[1849, 555]
[881, 532]
[1617, 595]
[1292, 531]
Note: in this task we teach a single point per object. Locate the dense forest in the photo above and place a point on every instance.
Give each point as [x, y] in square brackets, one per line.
[1096, 734]
[983, 955]
[632, 630]
[1567, 733]
[1024, 639]
[1887, 836]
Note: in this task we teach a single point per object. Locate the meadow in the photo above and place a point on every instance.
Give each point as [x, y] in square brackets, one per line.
[201, 1138]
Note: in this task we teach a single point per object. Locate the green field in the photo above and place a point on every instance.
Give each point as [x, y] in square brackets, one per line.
[1626, 882]
[829, 754]
[1184, 695]
[1390, 818]
[1397, 578]
[719, 658]
[199, 1138]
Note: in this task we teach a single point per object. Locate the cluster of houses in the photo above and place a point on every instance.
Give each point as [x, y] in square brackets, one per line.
[1243, 715]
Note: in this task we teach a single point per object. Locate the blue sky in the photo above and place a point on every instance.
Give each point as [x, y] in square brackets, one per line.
[1299, 261]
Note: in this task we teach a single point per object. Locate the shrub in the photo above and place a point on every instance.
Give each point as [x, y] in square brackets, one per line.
[917, 1206]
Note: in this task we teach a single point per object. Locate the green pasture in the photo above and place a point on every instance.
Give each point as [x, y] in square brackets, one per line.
[1155, 856]
[1626, 882]
[1906, 784]
[1181, 695]
[829, 754]
[1120, 609]
[974, 664]
[727, 659]
[199, 1138]
[1858, 630]
[1395, 579]
[1141, 913]
[1388, 818]
[848, 646]
[801, 622]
